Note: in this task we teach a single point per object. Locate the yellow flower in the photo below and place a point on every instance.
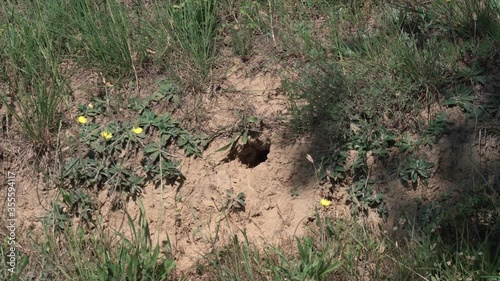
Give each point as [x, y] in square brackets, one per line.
[106, 135]
[137, 130]
[325, 202]
[474, 16]
[91, 105]
[82, 119]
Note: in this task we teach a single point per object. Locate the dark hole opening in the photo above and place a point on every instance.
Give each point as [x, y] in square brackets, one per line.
[252, 154]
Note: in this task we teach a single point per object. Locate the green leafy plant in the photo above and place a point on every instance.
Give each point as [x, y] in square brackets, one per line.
[157, 165]
[122, 178]
[362, 198]
[241, 133]
[168, 91]
[359, 166]
[406, 144]
[110, 151]
[234, 202]
[415, 169]
[79, 204]
[73, 203]
[57, 218]
[463, 97]
[333, 167]
[170, 130]
[96, 107]
[438, 126]
[84, 171]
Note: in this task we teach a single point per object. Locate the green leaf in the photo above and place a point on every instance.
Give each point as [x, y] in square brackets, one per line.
[176, 99]
[22, 264]
[166, 86]
[182, 141]
[253, 119]
[414, 176]
[150, 148]
[379, 197]
[244, 138]
[229, 145]
[157, 97]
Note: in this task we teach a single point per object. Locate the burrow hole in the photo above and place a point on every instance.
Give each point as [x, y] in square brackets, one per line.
[252, 153]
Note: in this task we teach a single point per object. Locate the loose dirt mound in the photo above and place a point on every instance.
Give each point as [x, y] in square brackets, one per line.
[270, 176]
[270, 172]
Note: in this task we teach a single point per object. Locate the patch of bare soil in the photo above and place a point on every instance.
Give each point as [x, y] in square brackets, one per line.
[278, 191]
[32, 195]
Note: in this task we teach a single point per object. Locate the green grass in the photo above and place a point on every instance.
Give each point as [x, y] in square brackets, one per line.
[102, 33]
[73, 253]
[105, 36]
[334, 250]
[186, 42]
[36, 87]
[400, 65]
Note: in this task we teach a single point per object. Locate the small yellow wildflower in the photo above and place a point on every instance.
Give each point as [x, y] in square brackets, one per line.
[137, 130]
[91, 105]
[474, 16]
[82, 119]
[325, 202]
[106, 135]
